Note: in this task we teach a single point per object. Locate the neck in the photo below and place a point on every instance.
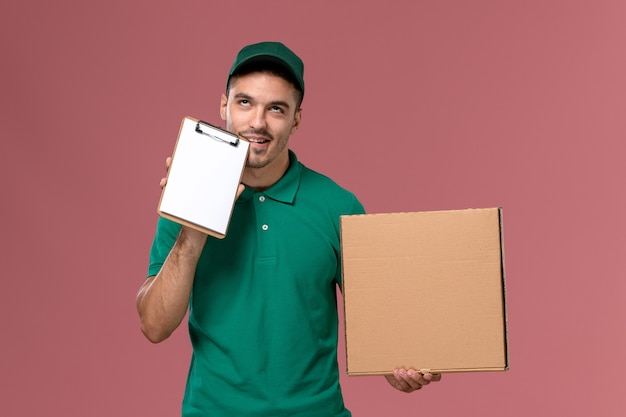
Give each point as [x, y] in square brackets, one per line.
[261, 179]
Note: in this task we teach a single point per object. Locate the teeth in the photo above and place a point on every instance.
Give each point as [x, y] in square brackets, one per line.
[257, 140]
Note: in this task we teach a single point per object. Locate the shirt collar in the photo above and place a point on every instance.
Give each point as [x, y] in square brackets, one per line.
[285, 189]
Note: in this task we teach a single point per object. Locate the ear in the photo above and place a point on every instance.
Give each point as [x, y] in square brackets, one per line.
[223, 103]
[296, 121]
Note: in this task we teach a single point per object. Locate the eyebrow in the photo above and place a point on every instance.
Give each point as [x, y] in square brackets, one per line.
[272, 103]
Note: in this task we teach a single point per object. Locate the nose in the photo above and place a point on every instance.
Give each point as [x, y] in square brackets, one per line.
[257, 119]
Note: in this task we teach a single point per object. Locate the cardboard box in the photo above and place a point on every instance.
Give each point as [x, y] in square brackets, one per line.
[424, 291]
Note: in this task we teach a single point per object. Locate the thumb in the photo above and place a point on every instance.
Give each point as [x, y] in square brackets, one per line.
[240, 190]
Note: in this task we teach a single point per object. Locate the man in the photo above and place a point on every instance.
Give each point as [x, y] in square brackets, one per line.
[262, 301]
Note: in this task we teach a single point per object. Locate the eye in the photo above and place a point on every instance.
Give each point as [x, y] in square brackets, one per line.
[244, 102]
[276, 109]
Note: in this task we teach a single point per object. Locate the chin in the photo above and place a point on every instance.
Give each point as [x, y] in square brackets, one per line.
[256, 163]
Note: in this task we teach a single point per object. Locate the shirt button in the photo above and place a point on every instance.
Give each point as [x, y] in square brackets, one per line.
[265, 227]
[262, 198]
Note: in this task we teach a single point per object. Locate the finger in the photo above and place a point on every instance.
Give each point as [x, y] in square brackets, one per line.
[435, 377]
[396, 381]
[418, 377]
[240, 190]
[409, 382]
[168, 164]
[415, 379]
[404, 386]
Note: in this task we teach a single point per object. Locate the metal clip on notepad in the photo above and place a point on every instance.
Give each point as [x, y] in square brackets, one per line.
[216, 133]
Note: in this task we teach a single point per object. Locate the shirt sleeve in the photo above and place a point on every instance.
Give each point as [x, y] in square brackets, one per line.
[166, 233]
[357, 208]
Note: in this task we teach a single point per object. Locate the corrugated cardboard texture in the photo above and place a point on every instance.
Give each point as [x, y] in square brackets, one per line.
[424, 291]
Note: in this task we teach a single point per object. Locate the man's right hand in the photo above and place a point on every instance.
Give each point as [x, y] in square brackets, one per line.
[168, 164]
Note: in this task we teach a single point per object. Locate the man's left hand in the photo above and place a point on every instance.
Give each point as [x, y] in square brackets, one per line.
[410, 380]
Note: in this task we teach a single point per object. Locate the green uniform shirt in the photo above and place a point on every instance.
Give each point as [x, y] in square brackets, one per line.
[263, 312]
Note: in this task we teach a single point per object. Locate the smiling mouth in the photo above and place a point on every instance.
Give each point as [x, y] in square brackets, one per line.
[253, 140]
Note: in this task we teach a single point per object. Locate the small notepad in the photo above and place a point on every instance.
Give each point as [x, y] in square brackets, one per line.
[207, 165]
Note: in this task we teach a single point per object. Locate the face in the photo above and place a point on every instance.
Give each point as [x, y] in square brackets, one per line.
[262, 108]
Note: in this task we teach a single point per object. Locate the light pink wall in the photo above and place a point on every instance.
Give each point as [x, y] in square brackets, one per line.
[413, 105]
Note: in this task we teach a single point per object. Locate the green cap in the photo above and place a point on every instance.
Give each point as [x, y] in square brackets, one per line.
[273, 52]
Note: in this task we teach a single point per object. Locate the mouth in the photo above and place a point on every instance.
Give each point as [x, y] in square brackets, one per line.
[257, 140]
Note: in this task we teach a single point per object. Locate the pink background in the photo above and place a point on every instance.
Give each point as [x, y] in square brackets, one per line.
[413, 105]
